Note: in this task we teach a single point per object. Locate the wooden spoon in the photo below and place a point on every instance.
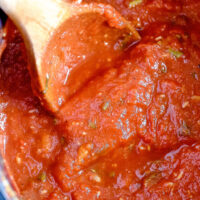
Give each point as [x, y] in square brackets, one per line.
[39, 22]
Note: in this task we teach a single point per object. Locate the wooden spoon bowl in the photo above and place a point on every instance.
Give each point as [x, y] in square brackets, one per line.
[50, 26]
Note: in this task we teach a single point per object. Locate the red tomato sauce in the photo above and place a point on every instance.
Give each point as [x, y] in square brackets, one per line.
[130, 127]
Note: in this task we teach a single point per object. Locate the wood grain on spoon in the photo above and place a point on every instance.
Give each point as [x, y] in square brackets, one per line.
[51, 28]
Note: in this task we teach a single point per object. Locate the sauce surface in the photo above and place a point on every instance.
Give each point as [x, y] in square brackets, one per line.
[130, 128]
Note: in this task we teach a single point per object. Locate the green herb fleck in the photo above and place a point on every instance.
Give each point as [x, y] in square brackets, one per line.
[121, 100]
[55, 121]
[195, 75]
[159, 42]
[92, 124]
[42, 177]
[63, 140]
[112, 174]
[126, 41]
[105, 105]
[152, 179]
[178, 36]
[134, 3]
[46, 84]
[185, 130]
[93, 170]
[175, 53]
[163, 68]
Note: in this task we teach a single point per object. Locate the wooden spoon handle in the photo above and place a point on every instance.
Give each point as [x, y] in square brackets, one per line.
[47, 12]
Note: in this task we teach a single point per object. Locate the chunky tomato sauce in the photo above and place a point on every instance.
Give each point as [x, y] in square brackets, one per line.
[130, 128]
